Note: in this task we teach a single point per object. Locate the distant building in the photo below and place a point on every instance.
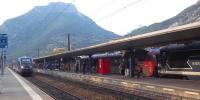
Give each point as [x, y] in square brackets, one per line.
[58, 50]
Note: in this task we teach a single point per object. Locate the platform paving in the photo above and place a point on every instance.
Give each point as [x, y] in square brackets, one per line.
[15, 87]
[165, 82]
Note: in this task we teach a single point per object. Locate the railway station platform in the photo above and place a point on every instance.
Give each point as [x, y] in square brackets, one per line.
[153, 88]
[15, 87]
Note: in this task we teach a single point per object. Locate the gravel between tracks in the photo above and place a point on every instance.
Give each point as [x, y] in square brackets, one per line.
[52, 91]
[63, 89]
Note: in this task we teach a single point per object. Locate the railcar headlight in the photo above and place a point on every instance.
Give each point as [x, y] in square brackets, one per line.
[22, 66]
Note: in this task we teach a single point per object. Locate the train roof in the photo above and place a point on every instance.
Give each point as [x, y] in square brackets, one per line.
[179, 47]
[24, 57]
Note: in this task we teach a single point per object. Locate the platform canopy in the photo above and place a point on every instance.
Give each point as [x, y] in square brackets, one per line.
[179, 34]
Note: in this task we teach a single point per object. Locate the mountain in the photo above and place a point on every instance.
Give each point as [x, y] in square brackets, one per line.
[189, 15]
[46, 27]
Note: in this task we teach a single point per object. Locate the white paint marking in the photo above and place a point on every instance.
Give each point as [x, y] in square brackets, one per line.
[28, 89]
[192, 93]
[152, 87]
[168, 89]
[135, 84]
[124, 84]
[114, 82]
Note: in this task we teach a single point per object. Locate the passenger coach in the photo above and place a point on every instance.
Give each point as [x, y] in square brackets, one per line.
[181, 60]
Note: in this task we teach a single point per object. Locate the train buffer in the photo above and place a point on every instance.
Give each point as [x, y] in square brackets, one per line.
[15, 87]
[153, 88]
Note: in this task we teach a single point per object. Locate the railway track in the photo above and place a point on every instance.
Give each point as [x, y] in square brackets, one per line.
[54, 92]
[63, 89]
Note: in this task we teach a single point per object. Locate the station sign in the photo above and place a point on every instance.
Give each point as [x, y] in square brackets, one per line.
[3, 40]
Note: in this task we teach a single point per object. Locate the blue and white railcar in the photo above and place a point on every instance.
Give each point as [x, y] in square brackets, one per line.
[25, 65]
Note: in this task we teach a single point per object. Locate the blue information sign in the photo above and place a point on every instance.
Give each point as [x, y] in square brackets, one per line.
[3, 40]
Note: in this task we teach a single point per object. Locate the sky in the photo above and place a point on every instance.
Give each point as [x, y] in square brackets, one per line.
[118, 16]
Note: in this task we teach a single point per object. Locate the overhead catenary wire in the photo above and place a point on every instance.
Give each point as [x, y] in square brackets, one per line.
[36, 29]
[42, 21]
[104, 6]
[119, 10]
[54, 19]
[65, 9]
[61, 44]
[49, 13]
